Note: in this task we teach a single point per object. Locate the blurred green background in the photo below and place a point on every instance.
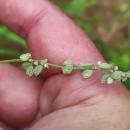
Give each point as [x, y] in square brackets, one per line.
[106, 22]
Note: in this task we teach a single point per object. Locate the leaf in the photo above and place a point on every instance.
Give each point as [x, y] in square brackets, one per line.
[87, 66]
[110, 80]
[37, 70]
[104, 66]
[116, 75]
[15, 38]
[42, 62]
[124, 74]
[116, 68]
[87, 73]
[104, 78]
[68, 62]
[118, 79]
[76, 5]
[29, 71]
[25, 65]
[68, 69]
[10, 36]
[25, 57]
[124, 79]
[128, 74]
[9, 52]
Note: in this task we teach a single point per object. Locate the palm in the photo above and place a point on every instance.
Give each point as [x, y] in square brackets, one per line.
[66, 102]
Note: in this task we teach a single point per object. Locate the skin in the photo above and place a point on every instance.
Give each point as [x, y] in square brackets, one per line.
[64, 102]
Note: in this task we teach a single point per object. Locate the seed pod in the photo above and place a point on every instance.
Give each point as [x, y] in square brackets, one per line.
[37, 70]
[87, 73]
[87, 66]
[110, 80]
[29, 71]
[68, 69]
[116, 75]
[104, 78]
[25, 57]
[68, 62]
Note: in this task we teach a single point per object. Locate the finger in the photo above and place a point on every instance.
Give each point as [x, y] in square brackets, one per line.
[62, 91]
[5, 127]
[19, 96]
[50, 33]
[109, 114]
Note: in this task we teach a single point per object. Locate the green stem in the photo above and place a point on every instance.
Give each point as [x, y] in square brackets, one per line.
[53, 65]
[49, 64]
[99, 69]
[10, 61]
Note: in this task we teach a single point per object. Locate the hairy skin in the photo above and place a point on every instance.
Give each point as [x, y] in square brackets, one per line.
[67, 102]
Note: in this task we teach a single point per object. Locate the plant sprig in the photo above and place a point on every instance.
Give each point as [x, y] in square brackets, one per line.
[35, 67]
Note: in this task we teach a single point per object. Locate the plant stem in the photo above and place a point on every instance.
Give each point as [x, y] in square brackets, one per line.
[54, 65]
[10, 61]
[102, 69]
[50, 64]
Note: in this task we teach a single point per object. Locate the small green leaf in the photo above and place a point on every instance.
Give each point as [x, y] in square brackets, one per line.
[110, 80]
[68, 62]
[118, 79]
[25, 65]
[37, 70]
[87, 66]
[29, 71]
[128, 74]
[124, 79]
[25, 57]
[42, 62]
[124, 74]
[116, 75]
[116, 68]
[87, 73]
[104, 78]
[36, 63]
[105, 66]
[68, 69]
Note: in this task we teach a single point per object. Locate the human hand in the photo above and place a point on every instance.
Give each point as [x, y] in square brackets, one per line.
[67, 102]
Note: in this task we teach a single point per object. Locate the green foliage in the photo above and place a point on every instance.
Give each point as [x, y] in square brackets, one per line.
[7, 35]
[79, 5]
[9, 52]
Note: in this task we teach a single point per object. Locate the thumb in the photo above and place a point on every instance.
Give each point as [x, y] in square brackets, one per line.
[5, 127]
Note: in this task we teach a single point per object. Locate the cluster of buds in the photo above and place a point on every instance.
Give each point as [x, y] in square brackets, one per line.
[114, 73]
[35, 67]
